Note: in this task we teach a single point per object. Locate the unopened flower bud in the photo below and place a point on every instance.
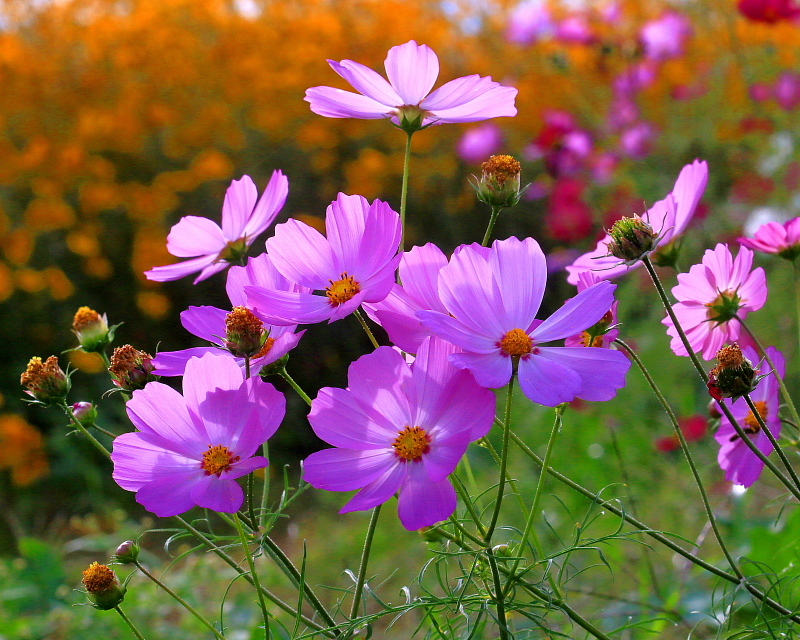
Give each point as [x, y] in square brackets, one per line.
[502, 551]
[734, 376]
[499, 184]
[102, 586]
[45, 381]
[131, 368]
[631, 239]
[92, 330]
[127, 552]
[244, 333]
[713, 410]
[85, 413]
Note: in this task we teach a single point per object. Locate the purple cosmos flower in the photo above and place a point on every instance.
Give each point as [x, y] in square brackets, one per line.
[605, 331]
[787, 90]
[398, 430]
[529, 22]
[711, 295]
[740, 464]
[213, 324]
[189, 449]
[477, 144]
[664, 38]
[491, 297]
[669, 217]
[244, 217]
[406, 99]
[355, 263]
[776, 238]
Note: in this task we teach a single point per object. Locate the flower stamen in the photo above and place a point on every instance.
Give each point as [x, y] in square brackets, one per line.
[216, 459]
[516, 343]
[412, 443]
[342, 290]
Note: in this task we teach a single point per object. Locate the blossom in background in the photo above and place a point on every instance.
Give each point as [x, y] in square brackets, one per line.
[529, 22]
[491, 297]
[211, 248]
[668, 217]
[406, 98]
[787, 90]
[710, 297]
[189, 449]
[770, 11]
[479, 143]
[693, 428]
[637, 142]
[568, 218]
[355, 262]
[212, 324]
[604, 332]
[740, 464]
[774, 237]
[398, 429]
[665, 37]
[575, 29]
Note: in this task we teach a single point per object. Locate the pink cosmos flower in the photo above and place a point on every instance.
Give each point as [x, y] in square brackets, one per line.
[529, 22]
[406, 98]
[355, 263]
[664, 38]
[711, 295]
[776, 238]
[398, 429]
[210, 323]
[244, 218]
[601, 335]
[189, 449]
[491, 297]
[669, 217]
[740, 464]
[477, 144]
[787, 90]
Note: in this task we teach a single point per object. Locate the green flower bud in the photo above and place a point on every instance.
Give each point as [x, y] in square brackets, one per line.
[92, 330]
[631, 239]
[102, 586]
[127, 552]
[45, 381]
[499, 184]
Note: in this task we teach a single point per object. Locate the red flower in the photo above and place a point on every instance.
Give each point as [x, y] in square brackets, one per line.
[770, 11]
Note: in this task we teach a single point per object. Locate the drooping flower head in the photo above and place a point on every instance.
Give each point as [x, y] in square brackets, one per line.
[740, 464]
[779, 239]
[399, 429]
[406, 98]
[190, 449]
[244, 217]
[354, 263]
[710, 297]
[668, 217]
[229, 329]
[491, 297]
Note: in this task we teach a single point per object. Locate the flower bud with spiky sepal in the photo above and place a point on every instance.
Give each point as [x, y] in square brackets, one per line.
[46, 381]
[92, 330]
[103, 587]
[499, 184]
[132, 369]
[127, 552]
[734, 376]
[631, 239]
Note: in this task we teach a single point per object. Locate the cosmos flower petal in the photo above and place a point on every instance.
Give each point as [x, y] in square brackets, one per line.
[267, 207]
[168, 495]
[258, 272]
[492, 101]
[598, 262]
[302, 254]
[205, 322]
[161, 410]
[287, 308]
[195, 236]
[688, 190]
[463, 404]
[140, 457]
[412, 69]
[367, 82]
[346, 469]
[522, 268]
[338, 419]
[378, 491]
[419, 273]
[240, 199]
[444, 455]
[210, 270]
[548, 382]
[337, 103]
[378, 244]
[491, 370]
[382, 381]
[423, 503]
[270, 409]
[578, 313]
[173, 363]
[345, 221]
[396, 313]
[218, 494]
[602, 371]
[176, 271]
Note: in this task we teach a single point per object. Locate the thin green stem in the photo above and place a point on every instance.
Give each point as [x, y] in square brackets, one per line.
[264, 487]
[490, 228]
[467, 500]
[366, 328]
[246, 547]
[773, 441]
[181, 601]
[404, 191]
[129, 622]
[499, 595]
[501, 486]
[362, 569]
[796, 270]
[77, 423]
[285, 375]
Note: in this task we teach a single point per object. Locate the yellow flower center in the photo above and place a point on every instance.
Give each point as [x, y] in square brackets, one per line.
[217, 459]
[516, 343]
[98, 578]
[266, 348]
[85, 317]
[412, 443]
[342, 290]
[752, 422]
[586, 339]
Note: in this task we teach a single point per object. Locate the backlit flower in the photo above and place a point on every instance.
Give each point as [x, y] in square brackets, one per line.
[406, 98]
[211, 248]
[710, 297]
[190, 449]
[492, 296]
[398, 429]
[773, 237]
[354, 262]
[740, 464]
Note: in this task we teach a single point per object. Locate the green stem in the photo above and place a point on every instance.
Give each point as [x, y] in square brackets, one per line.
[404, 191]
[492, 220]
[181, 601]
[501, 486]
[773, 441]
[285, 375]
[362, 569]
[246, 547]
[129, 622]
[366, 328]
[467, 500]
[264, 487]
[796, 269]
[499, 595]
[77, 423]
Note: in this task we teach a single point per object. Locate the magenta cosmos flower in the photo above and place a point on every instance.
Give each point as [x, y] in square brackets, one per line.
[710, 297]
[398, 429]
[491, 297]
[406, 98]
[669, 217]
[189, 449]
[355, 263]
[740, 464]
[220, 327]
[211, 248]
[776, 238]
